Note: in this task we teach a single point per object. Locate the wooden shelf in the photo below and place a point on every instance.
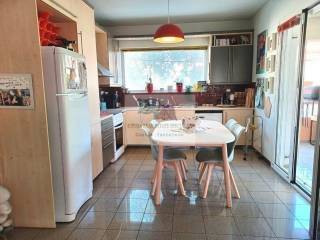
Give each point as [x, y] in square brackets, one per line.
[236, 45]
[67, 25]
[237, 38]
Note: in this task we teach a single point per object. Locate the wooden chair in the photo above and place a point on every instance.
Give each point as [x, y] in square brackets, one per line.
[171, 157]
[212, 157]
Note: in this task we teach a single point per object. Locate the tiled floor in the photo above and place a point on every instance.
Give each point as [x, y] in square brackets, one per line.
[121, 207]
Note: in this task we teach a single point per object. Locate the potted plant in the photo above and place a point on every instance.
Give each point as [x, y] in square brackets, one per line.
[179, 86]
[149, 86]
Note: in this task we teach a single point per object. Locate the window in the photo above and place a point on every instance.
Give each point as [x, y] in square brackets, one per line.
[165, 67]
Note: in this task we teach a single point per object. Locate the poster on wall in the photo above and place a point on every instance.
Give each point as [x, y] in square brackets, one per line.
[16, 91]
[260, 93]
[261, 52]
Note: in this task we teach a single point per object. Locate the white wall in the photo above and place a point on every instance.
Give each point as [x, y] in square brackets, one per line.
[200, 27]
[268, 18]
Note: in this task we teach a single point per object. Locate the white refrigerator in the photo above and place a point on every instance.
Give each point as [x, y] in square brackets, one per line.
[65, 82]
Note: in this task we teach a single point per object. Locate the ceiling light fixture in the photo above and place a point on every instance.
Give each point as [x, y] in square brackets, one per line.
[168, 33]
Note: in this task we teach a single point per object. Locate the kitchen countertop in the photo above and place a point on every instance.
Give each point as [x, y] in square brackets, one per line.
[185, 108]
[105, 115]
[110, 112]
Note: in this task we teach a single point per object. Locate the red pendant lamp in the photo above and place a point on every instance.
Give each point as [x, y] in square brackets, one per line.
[168, 33]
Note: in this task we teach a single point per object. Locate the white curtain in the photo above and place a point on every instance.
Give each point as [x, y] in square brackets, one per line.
[287, 96]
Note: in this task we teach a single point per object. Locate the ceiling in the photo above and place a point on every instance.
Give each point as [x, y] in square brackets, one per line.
[145, 12]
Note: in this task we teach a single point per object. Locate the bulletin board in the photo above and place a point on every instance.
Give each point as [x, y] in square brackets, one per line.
[16, 91]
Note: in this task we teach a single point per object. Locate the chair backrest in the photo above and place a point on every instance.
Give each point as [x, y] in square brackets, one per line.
[236, 130]
[154, 123]
[248, 124]
[153, 146]
[230, 123]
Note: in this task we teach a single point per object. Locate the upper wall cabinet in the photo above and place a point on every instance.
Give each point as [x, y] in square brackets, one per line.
[231, 59]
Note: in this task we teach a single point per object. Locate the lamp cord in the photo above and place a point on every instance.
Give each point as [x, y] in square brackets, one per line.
[168, 11]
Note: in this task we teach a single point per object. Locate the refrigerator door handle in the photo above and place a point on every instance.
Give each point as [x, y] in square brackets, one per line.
[72, 94]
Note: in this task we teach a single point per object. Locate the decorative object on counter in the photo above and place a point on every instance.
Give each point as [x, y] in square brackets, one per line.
[16, 91]
[267, 106]
[249, 97]
[117, 103]
[179, 87]
[231, 98]
[149, 86]
[260, 93]
[5, 209]
[261, 53]
[188, 89]
[168, 33]
[190, 124]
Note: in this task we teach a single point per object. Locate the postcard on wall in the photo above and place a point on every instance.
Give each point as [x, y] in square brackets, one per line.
[261, 52]
[16, 91]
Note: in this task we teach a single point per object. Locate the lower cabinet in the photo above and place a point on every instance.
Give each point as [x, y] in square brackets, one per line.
[241, 116]
[107, 134]
[133, 122]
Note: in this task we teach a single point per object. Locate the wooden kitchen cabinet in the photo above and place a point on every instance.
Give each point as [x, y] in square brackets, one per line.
[87, 46]
[184, 113]
[133, 133]
[241, 116]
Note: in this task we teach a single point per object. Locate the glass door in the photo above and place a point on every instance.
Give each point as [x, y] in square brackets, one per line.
[309, 98]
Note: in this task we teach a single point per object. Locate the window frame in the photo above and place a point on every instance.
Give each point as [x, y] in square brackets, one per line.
[206, 58]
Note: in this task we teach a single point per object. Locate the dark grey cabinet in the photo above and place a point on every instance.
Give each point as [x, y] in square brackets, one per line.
[231, 65]
[220, 64]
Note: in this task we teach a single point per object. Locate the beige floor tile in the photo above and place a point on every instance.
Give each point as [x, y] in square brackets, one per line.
[143, 235]
[98, 220]
[157, 222]
[86, 234]
[120, 235]
[54, 234]
[126, 221]
[221, 225]
[188, 224]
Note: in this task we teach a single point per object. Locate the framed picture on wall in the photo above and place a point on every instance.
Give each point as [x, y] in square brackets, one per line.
[261, 53]
[16, 91]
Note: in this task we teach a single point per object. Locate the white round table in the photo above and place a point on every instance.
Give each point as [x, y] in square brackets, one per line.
[209, 134]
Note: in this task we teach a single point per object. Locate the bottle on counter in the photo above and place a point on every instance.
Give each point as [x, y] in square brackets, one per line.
[117, 100]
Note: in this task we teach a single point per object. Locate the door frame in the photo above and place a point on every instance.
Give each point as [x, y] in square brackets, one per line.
[315, 198]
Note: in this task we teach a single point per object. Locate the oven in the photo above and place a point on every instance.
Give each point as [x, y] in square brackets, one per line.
[215, 115]
[118, 135]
